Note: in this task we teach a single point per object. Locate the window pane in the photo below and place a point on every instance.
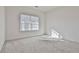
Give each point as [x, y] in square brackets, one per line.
[22, 27]
[25, 18]
[34, 26]
[35, 22]
[28, 28]
[28, 25]
[34, 19]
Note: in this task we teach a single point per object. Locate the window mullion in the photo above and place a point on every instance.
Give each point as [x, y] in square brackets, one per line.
[31, 22]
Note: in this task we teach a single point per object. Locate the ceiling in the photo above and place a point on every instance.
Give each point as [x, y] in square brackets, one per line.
[44, 8]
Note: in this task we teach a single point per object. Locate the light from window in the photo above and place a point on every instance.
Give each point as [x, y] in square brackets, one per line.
[55, 34]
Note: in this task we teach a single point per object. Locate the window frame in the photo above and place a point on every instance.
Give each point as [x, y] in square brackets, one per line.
[31, 23]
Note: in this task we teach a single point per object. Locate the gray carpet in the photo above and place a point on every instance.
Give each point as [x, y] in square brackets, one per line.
[38, 45]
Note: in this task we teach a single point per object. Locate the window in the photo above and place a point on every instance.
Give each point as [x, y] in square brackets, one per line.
[29, 23]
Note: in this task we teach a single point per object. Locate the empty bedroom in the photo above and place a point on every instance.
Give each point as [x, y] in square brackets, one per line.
[39, 29]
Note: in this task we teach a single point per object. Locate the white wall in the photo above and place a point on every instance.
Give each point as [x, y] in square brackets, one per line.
[2, 26]
[65, 20]
[12, 16]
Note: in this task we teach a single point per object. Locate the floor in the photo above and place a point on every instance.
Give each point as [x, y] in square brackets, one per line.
[40, 45]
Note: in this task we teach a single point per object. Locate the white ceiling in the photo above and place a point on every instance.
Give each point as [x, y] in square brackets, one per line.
[44, 8]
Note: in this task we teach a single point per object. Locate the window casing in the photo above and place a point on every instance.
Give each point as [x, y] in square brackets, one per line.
[29, 23]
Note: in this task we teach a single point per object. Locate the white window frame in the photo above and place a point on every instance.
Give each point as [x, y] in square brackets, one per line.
[31, 23]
